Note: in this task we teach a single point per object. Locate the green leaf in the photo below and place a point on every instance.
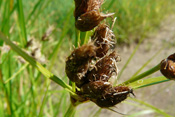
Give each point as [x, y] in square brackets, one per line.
[21, 21]
[147, 82]
[18, 72]
[71, 111]
[142, 75]
[144, 65]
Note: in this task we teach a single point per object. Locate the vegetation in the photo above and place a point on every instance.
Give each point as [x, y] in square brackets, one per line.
[45, 29]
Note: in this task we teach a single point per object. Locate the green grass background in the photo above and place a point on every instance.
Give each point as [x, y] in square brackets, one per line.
[28, 93]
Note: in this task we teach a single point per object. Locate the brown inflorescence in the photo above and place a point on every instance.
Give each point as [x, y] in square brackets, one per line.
[112, 96]
[104, 39]
[93, 79]
[104, 94]
[104, 68]
[168, 67]
[77, 64]
[87, 14]
[94, 83]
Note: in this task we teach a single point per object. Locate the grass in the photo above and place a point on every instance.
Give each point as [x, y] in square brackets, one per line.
[23, 90]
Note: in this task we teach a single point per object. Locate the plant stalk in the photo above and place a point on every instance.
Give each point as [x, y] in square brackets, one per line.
[150, 71]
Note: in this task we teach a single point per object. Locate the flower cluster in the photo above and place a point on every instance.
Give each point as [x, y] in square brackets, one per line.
[92, 65]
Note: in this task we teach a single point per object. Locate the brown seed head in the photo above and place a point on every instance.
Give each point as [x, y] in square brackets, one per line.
[113, 96]
[104, 68]
[77, 63]
[83, 6]
[95, 89]
[87, 14]
[104, 39]
[168, 67]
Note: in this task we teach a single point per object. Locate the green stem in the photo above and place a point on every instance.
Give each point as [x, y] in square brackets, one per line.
[86, 37]
[147, 62]
[150, 71]
[71, 111]
[73, 87]
[22, 23]
[148, 82]
[77, 38]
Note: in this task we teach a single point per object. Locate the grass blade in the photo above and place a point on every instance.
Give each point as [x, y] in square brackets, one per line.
[110, 4]
[18, 72]
[71, 111]
[37, 6]
[53, 56]
[144, 65]
[21, 21]
[148, 82]
[144, 74]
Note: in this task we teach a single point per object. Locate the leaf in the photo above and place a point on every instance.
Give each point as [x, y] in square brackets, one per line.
[147, 82]
[142, 75]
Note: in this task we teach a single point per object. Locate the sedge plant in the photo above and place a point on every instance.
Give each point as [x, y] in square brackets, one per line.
[11, 72]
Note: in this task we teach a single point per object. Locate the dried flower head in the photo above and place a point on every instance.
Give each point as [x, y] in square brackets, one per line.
[87, 14]
[94, 89]
[104, 68]
[168, 67]
[104, 39]
[104, 94]
[113, 96]
[83, 6]
[77, 63]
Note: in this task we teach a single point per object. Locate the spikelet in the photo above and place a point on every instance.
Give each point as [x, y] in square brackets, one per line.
[77, 64]
[104, 39]
[168, 67]
[87, 14]
[104, 68]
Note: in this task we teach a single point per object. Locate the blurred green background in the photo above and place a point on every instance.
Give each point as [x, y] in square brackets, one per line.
[23, 90]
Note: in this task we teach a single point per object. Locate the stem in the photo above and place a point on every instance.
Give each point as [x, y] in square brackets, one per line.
[86, 37]
[147, 62]
[144, 74]
[77, 38]
[73, 87]
[148, 82]
[71, 111]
